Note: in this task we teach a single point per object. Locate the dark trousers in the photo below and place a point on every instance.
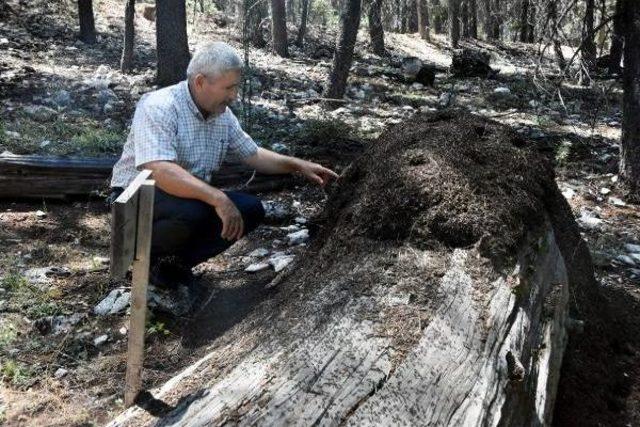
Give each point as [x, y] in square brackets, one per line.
[190, 230]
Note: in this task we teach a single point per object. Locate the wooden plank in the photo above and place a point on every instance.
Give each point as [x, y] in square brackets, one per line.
[124, 217]
[135, 349]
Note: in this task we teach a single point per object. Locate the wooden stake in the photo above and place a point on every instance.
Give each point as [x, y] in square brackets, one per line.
[135, 349]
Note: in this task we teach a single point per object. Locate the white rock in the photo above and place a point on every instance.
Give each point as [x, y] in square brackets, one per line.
[614, 178]
[275, 210]
[41, 214]
[12, 134]
[568, 193]
[626, 259]
[280, 262]
[60, 372]
[292, 227]
[258, 266]
[280, 148]
[298, 237]
[300, 220]
[502, 90]
[632, 248]
[533, 103]
[100, 340]
[123, 331]
[614, 123]
[100, 260]
[45, 143]
[259, 252]
[605, 191]
[617, 202]
[115, 302]
[417, 86]
[589, 220]
[44, 275]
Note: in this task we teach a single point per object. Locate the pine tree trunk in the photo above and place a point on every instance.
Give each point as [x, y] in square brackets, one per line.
[349, 23]
[464, 13]
[473, 10]
[87, 24]
[279, 28]
[524, 19]
[412, 16]
[531, 23]
[454, 22]
[437, 16]
[617, 40]
[291, 11]
[376, 31]
[487, 19]
[630, 144]
[126, 62]
[552, 12]
[303, 23]
[496, 20]
[171, 41]
[423, 19]
[588, 43]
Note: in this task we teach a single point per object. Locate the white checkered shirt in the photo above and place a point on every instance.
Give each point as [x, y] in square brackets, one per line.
[167, 125]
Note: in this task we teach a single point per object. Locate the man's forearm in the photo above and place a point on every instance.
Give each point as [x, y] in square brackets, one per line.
[268, 162]
[173, 179]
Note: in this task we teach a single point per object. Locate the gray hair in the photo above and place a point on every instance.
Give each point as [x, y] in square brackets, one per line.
[213, 60]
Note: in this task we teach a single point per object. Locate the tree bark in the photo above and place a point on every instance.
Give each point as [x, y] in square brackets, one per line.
[87, 24]
[279, 28]
[464, 17]
[524, 21]
[496, 19]
[423, 19]
[303, 23]
[588, 43]
[617, 40]
[630, 144]
[412, 16]
[376, 31]
[473, 10]
[350, 21]
[454, 22]
[126, 62]
[171, 41]
[437, 13]
[552, 13]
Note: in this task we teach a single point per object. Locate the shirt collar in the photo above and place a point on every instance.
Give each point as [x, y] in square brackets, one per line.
[191, 104]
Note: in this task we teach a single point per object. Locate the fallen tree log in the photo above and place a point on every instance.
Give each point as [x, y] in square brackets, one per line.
[33, 176]
[435, 293]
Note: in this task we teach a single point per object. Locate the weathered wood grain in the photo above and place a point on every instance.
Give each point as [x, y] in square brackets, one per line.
[343, 370]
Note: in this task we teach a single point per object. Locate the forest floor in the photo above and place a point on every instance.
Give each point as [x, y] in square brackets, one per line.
[61, 364]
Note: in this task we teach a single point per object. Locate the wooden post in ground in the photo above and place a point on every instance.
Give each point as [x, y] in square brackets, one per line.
[131, 226]
[135, 349]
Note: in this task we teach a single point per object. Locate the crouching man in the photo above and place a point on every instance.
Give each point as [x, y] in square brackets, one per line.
[183, 133]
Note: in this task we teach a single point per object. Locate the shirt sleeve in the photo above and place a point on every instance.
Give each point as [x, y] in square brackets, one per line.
[240, 143]
[155, 132]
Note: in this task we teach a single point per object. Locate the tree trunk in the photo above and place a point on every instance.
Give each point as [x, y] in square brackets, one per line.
[588, 44]
[496, 20]
[126, 62]
[630, 144]
[552, 12]
[617, 40]
[423, 19]
[531, 24]
[376, 31]
[279, 28]
[473, 10]
[412, 16]
[437, 14]
[464, 14]
[487, 19]
[524, 21]
[171, 41]
[303, 23]
[291, 11]
[87, 24]
[349, 23]
[454, 22]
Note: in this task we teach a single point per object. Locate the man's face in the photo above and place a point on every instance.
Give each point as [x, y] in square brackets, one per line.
[216, 93]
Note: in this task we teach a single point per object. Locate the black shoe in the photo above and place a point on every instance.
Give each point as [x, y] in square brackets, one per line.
[169, 273]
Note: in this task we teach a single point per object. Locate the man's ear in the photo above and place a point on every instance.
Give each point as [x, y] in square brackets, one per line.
[198, 80]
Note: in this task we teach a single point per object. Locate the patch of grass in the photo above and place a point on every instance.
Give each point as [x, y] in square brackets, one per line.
[157, 328]
[563, 152]
[65, 136]
[16, 373]
[8, 335]
[23, 295]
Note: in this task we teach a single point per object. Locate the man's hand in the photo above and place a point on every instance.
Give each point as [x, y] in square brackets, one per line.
[232, 223]
[315, 172]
